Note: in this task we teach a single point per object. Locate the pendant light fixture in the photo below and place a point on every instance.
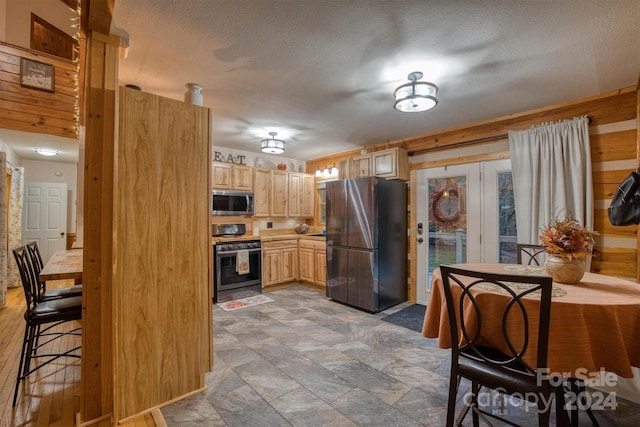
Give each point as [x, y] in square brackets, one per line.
[272, 145]
[416, 96]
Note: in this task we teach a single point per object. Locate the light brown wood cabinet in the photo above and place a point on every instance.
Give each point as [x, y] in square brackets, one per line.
[243, 177]
[294, 191]
[221, 176]
[343, 169]
[279, 262]
[278, 194]
[313, 261]
[301, 195]
[392, 163]
[226, 176]
[261, 187]
[320, 256]
[281, 194]
[360, 166]
[306, 258]
[307, 197]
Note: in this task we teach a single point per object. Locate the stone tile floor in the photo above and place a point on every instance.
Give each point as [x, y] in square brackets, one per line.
[304, 360]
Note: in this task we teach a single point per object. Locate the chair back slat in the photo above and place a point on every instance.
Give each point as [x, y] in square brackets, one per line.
[27, 276]
[528, 254]
[471, 315]
[36, 265]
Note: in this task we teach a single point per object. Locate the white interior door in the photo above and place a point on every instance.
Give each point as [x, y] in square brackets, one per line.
[45, 216]
[464, 213]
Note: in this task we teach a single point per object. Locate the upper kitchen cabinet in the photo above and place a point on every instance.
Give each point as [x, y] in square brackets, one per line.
[269, 193]
[226, 176]
[278, 194]
[360, 166]
[261, 187]
[301, 195]
[242, 178]
[294, 194]
[343, 169]
[307, 196]
[392, 163]
[281, 194]
[222, 176]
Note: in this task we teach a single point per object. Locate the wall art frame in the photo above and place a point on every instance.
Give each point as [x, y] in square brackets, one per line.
[37, 75]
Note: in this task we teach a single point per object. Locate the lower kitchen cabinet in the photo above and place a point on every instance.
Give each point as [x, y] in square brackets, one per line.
[279, 262]
[320, 256]
[313, 261]
[306, 257]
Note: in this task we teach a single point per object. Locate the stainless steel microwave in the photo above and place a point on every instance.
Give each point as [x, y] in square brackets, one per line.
[229, 202]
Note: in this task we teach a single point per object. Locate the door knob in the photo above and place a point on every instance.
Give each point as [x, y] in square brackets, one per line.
[420, 240]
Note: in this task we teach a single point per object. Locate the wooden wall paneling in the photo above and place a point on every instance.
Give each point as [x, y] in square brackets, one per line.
[614, 177]
[603, 226]
[607, 108]
[96, 374]
[32, 110]
[162, 236]
[613, 146]
[618, 262]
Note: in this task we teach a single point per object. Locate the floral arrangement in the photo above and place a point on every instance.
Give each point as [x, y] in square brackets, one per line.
[567, 238]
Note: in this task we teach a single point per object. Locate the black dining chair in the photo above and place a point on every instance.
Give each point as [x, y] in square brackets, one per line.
[43, 320]
[504, 370]
[529, 254]
[45, 294]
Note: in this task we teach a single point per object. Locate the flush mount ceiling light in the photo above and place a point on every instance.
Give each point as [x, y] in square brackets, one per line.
[273, 145]
[47, 151]
[416, 96]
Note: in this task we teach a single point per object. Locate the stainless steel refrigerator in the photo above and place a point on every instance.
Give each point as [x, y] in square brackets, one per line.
[367, 242]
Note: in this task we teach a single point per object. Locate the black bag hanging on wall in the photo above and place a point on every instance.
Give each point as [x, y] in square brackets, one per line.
[625, 206]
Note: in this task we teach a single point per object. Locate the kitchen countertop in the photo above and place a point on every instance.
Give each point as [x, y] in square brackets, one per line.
[269, 238]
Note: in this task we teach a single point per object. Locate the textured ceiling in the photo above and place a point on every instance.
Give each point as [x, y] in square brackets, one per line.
[322, 73]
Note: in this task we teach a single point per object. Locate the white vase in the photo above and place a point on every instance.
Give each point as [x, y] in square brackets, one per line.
[563, 270]
[193, 95]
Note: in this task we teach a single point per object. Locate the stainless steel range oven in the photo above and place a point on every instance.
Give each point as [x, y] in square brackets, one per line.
[237, 264]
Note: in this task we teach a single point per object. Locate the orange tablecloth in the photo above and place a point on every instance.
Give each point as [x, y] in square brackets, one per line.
[595, 326]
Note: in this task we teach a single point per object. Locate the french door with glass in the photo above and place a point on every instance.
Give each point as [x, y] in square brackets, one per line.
[464, 214]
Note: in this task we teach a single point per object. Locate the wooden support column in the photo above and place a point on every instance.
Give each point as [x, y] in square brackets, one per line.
[638, 164]
[101, 119]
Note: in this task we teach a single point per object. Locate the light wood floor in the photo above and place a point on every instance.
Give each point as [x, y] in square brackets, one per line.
[51, 395]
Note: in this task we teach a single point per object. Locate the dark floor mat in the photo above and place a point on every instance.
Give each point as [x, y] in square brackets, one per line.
[411, 317]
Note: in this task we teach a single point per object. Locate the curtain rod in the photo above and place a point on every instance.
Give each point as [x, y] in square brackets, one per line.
[469, 142]
[11, 165]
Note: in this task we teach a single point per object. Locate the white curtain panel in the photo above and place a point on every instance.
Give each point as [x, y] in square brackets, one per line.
[551, 167]
[15, 224]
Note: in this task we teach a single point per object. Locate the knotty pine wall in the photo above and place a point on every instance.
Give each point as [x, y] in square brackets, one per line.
[33, 110]
[614, 152]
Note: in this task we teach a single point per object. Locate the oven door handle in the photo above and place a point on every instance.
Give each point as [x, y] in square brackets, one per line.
[235, 252]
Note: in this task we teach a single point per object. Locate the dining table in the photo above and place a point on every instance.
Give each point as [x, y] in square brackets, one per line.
[64, 264]
[594, 324]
